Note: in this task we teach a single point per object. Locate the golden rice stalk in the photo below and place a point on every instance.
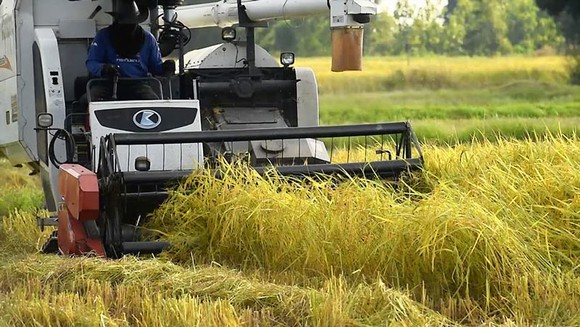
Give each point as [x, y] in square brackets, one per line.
[86, 291]
[477, 219]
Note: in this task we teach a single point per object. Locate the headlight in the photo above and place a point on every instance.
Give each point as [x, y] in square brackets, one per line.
[228, 34]
[142, 164]
[287, 59]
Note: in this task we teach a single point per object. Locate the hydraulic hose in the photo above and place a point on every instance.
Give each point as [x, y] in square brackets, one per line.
[70, 147]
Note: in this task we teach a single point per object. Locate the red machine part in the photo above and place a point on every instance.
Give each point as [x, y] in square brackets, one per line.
[77, 215]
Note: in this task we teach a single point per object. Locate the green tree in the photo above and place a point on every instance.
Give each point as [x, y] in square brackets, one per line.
[428, 29]
[379, 35]
[568, 15]
[491, 27]
[529, 28]
[455, 28]
[306, 37]
[522, 21]
[449, 9]
[404, 15]
[314, 37]
[472, 27]
[487, 29]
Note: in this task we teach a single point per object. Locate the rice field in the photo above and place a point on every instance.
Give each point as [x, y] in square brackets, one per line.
[488, 234]
[381, 74]
[453, 100]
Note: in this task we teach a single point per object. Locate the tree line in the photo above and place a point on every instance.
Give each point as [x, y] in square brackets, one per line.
[463, 27]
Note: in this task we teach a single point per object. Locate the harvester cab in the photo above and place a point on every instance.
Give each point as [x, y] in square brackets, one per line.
[232, 101]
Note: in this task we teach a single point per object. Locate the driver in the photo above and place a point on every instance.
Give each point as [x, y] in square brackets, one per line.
[125, 49]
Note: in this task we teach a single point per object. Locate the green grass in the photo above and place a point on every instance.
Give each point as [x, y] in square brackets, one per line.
[451, 116]
[519, 109]
[17, 189]
[522, 99]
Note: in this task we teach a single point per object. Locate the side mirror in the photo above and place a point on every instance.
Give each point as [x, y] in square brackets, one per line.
[44, 120]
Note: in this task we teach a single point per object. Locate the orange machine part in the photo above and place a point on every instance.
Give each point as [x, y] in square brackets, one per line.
[79, 190]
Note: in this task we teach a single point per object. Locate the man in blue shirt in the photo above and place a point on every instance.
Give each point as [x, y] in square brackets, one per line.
[125, 49]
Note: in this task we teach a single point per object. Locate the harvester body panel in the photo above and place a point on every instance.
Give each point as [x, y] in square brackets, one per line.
[9, 139]
[159, 116]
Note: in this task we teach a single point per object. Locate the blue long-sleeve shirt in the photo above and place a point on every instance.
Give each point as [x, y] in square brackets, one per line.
[148, 60]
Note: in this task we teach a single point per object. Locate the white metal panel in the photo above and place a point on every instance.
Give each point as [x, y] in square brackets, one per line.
[227, 55]
[162, 157]
[307, 94]
[77, 29]
[7, 40]
[51, 75]
[25, 68]
[342, 12]
[51, 12]
[8, 79]
[8, 111]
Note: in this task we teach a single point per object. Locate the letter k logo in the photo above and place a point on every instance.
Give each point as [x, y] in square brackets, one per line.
[147, 119]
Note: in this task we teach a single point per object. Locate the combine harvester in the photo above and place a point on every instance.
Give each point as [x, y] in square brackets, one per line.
[232, 100]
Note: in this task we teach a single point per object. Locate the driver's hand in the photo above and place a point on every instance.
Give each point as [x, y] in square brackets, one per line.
[109, 70]
[169, 67]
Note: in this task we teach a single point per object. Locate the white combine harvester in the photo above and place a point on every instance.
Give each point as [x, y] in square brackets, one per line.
[233, 100]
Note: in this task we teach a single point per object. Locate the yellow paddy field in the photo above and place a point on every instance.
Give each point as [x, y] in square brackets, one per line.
[487, 234]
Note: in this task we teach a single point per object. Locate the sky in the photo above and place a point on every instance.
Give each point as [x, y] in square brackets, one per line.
[390, 5]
